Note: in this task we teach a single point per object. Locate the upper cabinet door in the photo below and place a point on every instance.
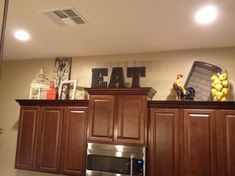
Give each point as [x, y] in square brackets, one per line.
[226, 142]
[49, 145]
[163, 142]
[199, 150]
[74, 141]
[131, 120]
[101, 118]
[27, 137]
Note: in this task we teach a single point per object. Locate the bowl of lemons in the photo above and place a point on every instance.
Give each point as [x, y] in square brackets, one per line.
[220, 86]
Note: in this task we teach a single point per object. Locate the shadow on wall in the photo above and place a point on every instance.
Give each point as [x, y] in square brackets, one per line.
[1, 131]
[171, 96]
[231, 93]
[15, 126]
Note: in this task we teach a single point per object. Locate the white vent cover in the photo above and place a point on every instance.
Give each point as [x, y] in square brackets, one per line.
[65, 17]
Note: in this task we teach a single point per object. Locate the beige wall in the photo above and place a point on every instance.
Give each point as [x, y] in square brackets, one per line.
[161, 70]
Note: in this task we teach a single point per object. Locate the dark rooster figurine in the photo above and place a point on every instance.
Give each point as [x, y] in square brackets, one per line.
[181, 92]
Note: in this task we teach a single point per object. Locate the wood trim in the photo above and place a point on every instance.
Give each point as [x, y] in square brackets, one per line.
[151, 104]
[121, 91]
[192, 104]
[28, 102]
[3, 31]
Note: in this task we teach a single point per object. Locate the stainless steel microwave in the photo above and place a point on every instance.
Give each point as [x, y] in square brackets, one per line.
[115, 160]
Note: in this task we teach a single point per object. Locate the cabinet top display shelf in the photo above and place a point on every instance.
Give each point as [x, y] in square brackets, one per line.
[29, 102]
[192, 104]
[148, 91]
[151, 104]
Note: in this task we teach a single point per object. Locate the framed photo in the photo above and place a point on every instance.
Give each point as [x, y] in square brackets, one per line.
[67, 90]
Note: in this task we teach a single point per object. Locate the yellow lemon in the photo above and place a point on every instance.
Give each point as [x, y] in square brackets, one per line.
[213, 77]
[225, 91]
[216, 81]
[225, 83]
[219, 95]
[223, 99]
[215, 99]
[212, 85]
[218, 87]
[223, 76]
[213, 91]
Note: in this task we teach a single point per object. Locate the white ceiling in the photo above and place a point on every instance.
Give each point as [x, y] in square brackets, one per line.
[116, 27]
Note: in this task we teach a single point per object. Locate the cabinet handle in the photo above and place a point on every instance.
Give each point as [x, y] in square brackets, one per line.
[76, 111]
[131, 169]
[199, 115]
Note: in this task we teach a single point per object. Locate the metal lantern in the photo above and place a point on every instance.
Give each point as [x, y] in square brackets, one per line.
[39, 86]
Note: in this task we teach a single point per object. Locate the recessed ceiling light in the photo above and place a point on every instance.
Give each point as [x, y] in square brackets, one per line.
[22, 35]
[206, 14]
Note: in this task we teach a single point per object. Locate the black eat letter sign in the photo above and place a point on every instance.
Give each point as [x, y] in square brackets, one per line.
[135, 73]
[117, 77]
[97, 77]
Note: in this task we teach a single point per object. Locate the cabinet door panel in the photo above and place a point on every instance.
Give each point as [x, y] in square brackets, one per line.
[50, 139]
[74, 141]
[227, 120]
[27, 137]
[131, 120]
[101, 118]
[164, 142]
[199, 143]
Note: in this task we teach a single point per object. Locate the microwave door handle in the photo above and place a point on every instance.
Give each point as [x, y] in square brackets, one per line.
[131, 170]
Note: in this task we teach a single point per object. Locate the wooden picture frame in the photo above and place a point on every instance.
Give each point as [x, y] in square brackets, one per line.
[67, 90]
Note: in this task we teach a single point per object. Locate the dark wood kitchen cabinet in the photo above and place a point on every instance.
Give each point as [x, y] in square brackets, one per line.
[118, 116]
[226, 142]
[27, 137]
[52, 136]
[49, 143]
[182, 138]
[199, 139]
[101, 118]
[182, 142]
[163, 142]
[74, 142]
[191, 139]
[131, 124]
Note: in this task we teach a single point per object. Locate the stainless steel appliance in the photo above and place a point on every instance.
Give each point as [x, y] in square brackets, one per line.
[115, 160]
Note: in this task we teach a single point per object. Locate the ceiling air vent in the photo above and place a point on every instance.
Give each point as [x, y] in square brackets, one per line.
[65, 17]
